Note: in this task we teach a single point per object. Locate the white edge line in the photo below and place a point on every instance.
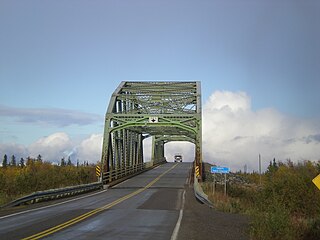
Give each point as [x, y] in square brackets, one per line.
[178, 224]
[187, 180]
[53, 205]
[57, 204]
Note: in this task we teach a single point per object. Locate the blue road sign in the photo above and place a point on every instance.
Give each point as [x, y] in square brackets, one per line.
[220, 170]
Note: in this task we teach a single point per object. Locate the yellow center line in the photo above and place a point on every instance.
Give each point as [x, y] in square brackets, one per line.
[95, 211]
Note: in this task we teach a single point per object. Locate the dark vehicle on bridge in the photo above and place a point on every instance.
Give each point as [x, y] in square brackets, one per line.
[177, 157]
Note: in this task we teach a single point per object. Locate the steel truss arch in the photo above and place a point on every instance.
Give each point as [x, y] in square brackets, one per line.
[166, 110]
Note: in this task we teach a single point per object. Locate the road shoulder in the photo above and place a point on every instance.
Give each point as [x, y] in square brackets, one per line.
[201, 222]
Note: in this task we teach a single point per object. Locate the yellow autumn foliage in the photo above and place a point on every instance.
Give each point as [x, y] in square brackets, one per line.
[38, 176]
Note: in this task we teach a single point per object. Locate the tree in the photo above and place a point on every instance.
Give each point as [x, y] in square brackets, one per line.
[273, 166]
[5, 161]
[69, 163]
[318, 165]
[39, 158]
[13, 161]
[62, 162]
[22, 162]
[29, 161]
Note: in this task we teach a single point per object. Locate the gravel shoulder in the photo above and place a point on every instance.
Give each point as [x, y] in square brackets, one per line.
[201, 222]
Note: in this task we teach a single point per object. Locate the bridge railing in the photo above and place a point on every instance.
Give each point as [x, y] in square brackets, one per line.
[121, 173]
[113, 177]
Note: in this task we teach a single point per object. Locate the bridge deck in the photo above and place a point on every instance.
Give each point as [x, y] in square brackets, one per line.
[144, 207]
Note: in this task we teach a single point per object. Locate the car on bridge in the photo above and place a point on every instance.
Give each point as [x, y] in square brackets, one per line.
[178, 157]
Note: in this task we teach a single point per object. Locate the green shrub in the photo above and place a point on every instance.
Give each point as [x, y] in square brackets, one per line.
[272, 223]
[38, 176]
[286, 206]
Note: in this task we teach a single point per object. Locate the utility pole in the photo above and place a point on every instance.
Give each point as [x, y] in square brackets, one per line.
[225, 184]
[260, 167]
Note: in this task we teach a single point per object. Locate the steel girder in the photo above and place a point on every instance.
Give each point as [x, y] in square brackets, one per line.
[166, 111]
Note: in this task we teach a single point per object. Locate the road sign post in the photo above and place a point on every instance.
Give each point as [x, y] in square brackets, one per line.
[222, 170]
[214, 183]
[225, 184]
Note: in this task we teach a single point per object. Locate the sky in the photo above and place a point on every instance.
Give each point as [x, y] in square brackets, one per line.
[258, 62]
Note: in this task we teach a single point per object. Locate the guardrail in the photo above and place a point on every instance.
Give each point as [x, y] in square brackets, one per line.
[54, 194]
[199, 194]
[114, 176]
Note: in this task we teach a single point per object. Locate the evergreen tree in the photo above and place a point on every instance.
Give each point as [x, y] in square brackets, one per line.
[5, 161]
[62, 162]
[39, 158]
[318, 165]
[13, 161]
[273, 166]
[22, 163]
[69, 163]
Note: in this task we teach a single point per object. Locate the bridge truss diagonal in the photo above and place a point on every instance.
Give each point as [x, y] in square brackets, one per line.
[164, 110]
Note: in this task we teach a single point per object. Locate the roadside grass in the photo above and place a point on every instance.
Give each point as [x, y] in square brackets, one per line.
[285, 206]
[16, 182]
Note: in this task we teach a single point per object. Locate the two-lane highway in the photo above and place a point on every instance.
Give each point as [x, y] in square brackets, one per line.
[144, 207]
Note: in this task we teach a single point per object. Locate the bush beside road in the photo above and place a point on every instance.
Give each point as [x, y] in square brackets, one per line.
[285, 206]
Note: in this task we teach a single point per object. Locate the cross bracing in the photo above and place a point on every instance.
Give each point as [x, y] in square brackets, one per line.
[166, 111]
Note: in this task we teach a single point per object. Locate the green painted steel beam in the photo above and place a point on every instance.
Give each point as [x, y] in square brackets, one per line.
[165, 110]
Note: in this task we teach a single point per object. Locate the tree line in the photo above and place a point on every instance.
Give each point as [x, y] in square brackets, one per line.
[34, 174]
[12, 162]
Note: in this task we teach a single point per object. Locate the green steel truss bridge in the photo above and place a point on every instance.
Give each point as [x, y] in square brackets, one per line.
[166, 111]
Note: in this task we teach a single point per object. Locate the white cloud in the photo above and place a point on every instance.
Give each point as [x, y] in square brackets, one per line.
[57, 145]
[51, 148]
[224, 99]
[90, 149]
[10, 149]
[233, 135]
[49, 116]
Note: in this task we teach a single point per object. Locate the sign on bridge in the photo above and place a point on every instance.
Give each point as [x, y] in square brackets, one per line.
[153, 119]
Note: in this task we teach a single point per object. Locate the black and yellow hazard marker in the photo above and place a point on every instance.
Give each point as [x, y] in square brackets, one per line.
[197, 171]
[98, 171]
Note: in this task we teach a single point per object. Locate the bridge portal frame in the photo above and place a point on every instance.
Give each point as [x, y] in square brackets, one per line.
[164, 110]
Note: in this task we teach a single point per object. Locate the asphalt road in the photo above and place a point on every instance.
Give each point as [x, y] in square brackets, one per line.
[144, 207]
